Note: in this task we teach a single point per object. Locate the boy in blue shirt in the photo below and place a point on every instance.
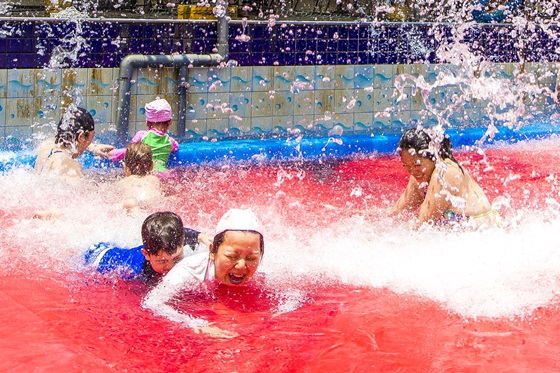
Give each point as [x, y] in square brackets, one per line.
[163, 237]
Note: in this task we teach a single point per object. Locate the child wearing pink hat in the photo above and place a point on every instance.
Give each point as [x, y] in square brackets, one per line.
[158, 120]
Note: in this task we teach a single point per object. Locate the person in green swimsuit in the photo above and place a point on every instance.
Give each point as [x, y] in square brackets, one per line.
[158, 120]
[440, 189]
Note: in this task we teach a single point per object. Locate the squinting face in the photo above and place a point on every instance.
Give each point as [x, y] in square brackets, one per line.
[237, 257]
[163, 262]
[419, 167]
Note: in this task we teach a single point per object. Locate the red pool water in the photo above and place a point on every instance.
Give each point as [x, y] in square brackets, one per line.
[57, 321]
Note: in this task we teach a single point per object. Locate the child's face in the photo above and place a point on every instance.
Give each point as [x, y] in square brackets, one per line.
[163, 262]
[84, 141]
[419, 167]
[237, 258]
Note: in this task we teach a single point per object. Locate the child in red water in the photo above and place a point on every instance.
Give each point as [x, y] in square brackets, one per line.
[158, 120]
[139, 187]
[232, 259]
[163, 238]
[75, 133]
[439, 187]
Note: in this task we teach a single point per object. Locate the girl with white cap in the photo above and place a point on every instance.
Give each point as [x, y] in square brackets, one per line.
[158, 120]
[232, 259]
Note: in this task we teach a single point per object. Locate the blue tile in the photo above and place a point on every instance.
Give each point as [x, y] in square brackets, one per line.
[237, 46]
[300, 59]
[363, 32]
[257, 58]
[20, 46]
[95, 46]
[343, 45]
[353, 32]
[136, 31]
[136, 46]
[197, 46]
[352, 57]
[108, 46]
[269, 45]
[268, 59]
[257, 45]
[341, 58]
[321, 45]
[289, 59]
[362, 45]
[300, 45]
[43, 60]
[257, 31]
[279, 59]
[244, 59]
[148, 31]
[363, 58]
[234, 31]
[110, 60]
[343, 32]
[23, 29]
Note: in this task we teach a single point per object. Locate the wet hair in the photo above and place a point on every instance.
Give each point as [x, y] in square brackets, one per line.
[138, 159]
[163, 231]
[73, 122]
[419, 140]
[165, 124]
[220, 237]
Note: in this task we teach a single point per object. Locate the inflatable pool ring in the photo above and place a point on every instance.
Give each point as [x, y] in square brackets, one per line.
[498, 15]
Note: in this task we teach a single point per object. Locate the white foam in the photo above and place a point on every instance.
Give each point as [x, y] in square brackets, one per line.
[493, 273]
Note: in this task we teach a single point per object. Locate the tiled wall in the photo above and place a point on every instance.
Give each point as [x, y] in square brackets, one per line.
[288, 78]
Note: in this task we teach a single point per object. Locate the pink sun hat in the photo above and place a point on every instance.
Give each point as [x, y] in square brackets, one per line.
[158, 110]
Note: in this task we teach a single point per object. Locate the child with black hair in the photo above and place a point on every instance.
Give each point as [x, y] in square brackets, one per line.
[75, 133]
[442, 190]
[163, 238]
[232, 259]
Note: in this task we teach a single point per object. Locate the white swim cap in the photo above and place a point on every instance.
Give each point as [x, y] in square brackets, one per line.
[239, 220]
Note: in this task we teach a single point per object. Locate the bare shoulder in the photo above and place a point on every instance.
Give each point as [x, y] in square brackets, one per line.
[453, 174]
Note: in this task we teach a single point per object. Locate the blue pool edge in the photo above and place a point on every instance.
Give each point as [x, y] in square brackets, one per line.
[306, 149]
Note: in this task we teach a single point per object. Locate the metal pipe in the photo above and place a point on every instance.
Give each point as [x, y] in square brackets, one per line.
[182, 90]
[135, 61]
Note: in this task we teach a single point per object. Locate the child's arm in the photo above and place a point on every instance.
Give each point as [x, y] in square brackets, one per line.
[181, 277]
[118, 154]
[437, 198]
[410, 200]
[101, 150]
[193, 237]
[157, 299]
[174, 144]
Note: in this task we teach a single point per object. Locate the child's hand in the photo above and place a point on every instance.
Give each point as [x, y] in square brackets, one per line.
[101, 150]
[205, 239]
[215, 332]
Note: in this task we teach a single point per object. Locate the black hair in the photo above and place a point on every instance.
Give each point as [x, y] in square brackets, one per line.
[163, 231]
[219, 239]
[72, 123]
[419, 140]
